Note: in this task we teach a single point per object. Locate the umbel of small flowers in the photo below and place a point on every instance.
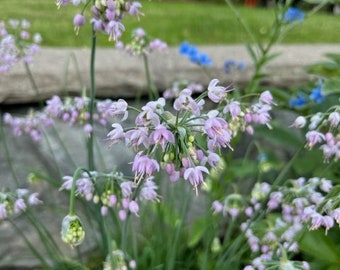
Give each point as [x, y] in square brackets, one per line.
[17, 43]
[185, 140]
[142, 43]
[106, 15]
[70, 110]
[290, 208]
[112, 191]
[14, 203]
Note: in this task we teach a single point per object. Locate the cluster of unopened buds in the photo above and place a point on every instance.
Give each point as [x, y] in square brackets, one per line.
[107, 15]
[72, 231]
[142, 43]
[113, 191]
[117, 260]
[17, 43]
[14, 203]
[323, 130]
[300, 203]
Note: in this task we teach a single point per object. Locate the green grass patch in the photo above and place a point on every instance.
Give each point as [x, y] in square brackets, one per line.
[173, 22]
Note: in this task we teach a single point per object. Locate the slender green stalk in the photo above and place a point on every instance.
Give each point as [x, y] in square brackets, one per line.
[171, 254]
[69, 58]
[32, 248]
[90, 154]
[48, 241]
[242, 22]
[127, 222]
[63, 146]
[73, 190]
[33, 83]
[153, 93]
[7, 153]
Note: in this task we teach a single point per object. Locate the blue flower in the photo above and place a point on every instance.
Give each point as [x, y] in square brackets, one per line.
[194, 55]
[241, 65]
[298, 101]
[184, 48]
[229, 65]
[293, 14]
[316, 94]
[204, 60]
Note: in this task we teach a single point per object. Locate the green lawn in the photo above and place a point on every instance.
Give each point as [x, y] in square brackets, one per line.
[173, 22]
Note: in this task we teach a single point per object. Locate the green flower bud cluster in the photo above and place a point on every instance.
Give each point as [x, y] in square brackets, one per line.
[115, 261]
[72, 231]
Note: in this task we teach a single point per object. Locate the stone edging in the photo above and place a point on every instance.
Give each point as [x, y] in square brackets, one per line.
[121, 75]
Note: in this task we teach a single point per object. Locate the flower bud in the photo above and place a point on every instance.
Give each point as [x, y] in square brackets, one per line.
[233, 204]
[72, 231]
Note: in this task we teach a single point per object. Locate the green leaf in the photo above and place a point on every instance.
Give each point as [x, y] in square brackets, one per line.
[272, 56]
[331, 86]
[334, 56]
[251, 52]
[198, 229]
[280, 134]
[326, 69]
[321, 247]
[242, 168]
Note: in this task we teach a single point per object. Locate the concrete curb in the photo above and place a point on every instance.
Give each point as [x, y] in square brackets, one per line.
[121, 75]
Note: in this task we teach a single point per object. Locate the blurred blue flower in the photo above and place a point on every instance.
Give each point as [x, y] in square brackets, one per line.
[229, 65]
[194, 55]
[316, 94]
[184, 48]
[299, 101]
[204, 60]
[293, 14]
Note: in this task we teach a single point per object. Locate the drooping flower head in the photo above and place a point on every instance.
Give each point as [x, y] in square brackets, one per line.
[107, 15]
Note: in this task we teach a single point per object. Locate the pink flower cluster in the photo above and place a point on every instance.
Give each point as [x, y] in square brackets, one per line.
[14, 203]
[17, 43]
[187, 138]
[302, 202]
[31, 125]
[112, 191]
[107, 15]
[74, 111]
[142, 43]
[323, 130]
[185, 141]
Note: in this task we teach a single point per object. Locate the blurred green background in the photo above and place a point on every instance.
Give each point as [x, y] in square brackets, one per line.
[199, 22]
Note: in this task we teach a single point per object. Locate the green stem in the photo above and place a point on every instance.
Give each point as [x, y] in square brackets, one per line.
[242, 21]
[7, 153]
[69, 58]
[126, 225]
[72, 210]
[92, 99]
[171, 254]
[32, 248]
[33, 83]
[153, 93]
